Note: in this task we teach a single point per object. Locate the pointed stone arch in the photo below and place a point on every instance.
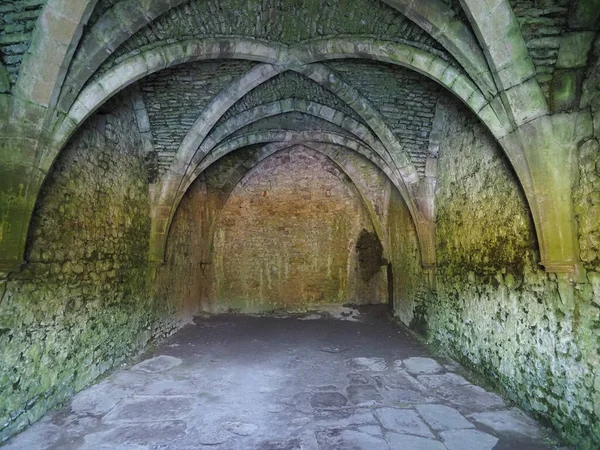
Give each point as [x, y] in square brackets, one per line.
[332, 152]
[161, 222]
[550, 205]
[113, 28]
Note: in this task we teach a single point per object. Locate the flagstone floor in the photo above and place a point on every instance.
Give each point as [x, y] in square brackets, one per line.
[287, 383]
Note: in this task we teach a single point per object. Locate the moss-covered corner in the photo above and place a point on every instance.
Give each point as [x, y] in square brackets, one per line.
[84, 303]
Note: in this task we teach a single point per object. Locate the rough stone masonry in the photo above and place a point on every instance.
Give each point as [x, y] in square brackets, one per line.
[166, 160]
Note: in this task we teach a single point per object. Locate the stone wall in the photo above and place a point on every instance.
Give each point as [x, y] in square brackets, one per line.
[409, 282]
[495, 309]
[542, 25]
[294, 234]
[292, 121]
[176, 97]
[559, 36]
[185, 281]
[405, 99]
[17, 21]
[82, 305]
[285, 21]
[289, 85]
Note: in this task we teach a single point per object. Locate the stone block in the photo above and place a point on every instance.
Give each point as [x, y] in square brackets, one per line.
[574, 50]
[584, 14]
[407, 441]
[442, 417]
[468, 439]
[463, 88]
[525, 102]
[565, 90]
[57, 27]
[419, 366]
[403, 421]
[594, 279]
[160, 363]
[510, 421]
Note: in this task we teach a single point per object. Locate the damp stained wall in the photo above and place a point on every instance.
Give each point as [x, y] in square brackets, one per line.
[493, 307]
[83, 304]
[294, 234]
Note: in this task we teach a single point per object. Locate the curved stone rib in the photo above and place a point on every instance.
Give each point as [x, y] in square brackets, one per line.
[504, 47]
[55, 38]
[163, 215]
[113, 28]
[332, 153]
[139, 66]
[441, 23]
[287, 105]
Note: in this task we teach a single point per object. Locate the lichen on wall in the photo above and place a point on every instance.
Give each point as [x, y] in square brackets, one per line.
[495, 308]
[81, 305]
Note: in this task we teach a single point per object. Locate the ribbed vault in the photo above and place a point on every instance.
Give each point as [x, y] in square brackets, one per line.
[464, 134]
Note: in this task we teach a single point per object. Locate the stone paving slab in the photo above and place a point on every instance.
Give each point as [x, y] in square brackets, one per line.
[266, 383]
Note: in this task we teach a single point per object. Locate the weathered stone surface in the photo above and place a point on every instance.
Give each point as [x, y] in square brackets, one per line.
[241, 428]
[418, 366]
[294, 23]
[332, 439]
[364, 394]
[252, 393]
[18, 21]
[442, 380]
[470, 398]
[441, 417]
[509, 421]
[364, 363]
[413, 442]
[468, 440]
[174, 103]
[403, 421]
[87, 298]
[494, 307]
[300, 199]
[574, 50]
[151, 408]
[327, 400]
[138, 434]
[405, 100]
[565, 90]
[160, 363]
[99, 399]
[82, 306]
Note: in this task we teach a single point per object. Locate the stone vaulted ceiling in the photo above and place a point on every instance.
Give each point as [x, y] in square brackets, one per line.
[370, 75]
